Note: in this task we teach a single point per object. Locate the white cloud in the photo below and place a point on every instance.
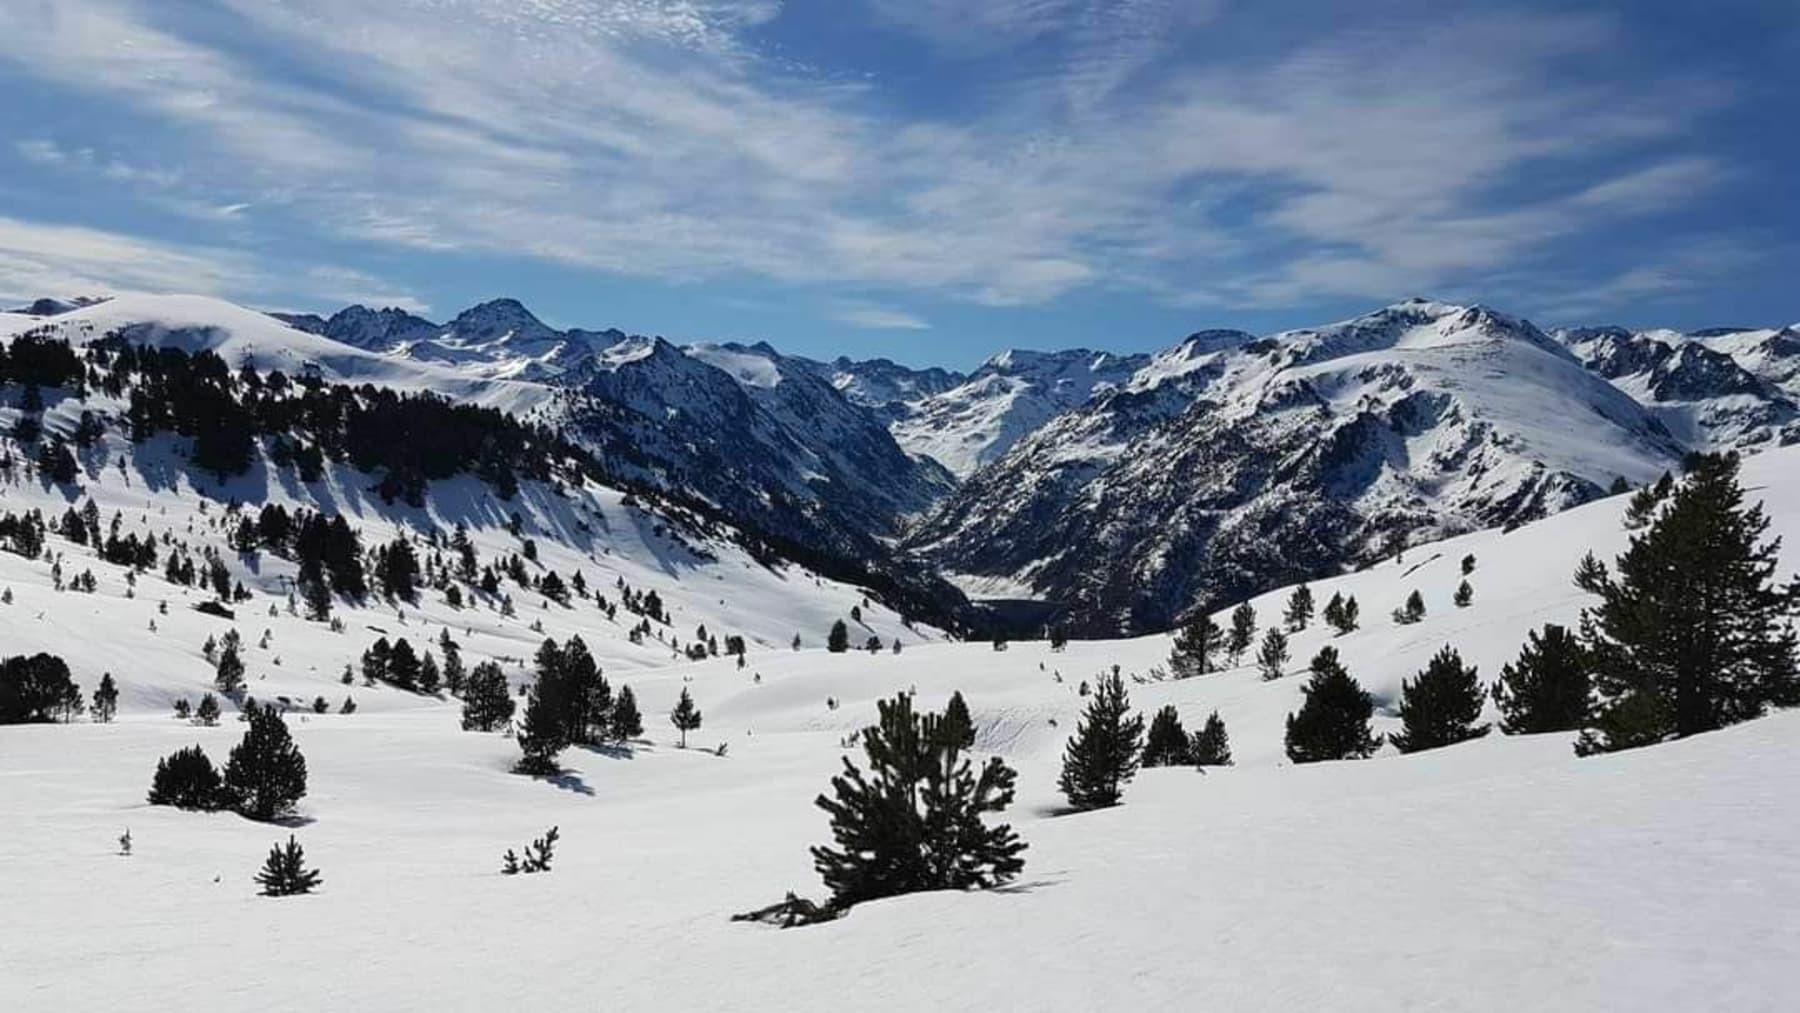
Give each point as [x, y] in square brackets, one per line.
[38, 260]
[880, 318]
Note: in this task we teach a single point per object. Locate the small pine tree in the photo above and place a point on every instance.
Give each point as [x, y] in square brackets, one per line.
[1242, 634]
[1333, 722]
[1211, 746]
[266, 775]
[1412, 611]
[487, 702]
[1468, 564]
[1464, 595]
[106, 699]
[1438, 707]
[1194, 647]
[1546, 689]
[208, 711]
[957, 724]
[1299, 609]
[285, 874]
[626, 722]
[228, 675]
[187, 779]
[1102, 757]
[839, 640]
[1167, 744]
[915, 820]
[685, 716]
[538, 855]
[543, 732]
[1272, 659]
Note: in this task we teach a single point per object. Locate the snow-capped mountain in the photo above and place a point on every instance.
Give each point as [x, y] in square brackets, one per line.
[883, 383]
[1714, 389]
[1230, 464]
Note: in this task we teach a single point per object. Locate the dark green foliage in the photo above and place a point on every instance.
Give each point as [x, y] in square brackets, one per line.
[1440, 705]
[914, 822]
[538, 855]
[1468, 564]
[1412, 611]
[1272, 659]
[1211, 746]
[957, 723]
[403, 666]
[1342, 614]
[208, 711]
[1299, 609]
[543, 732]
[228, 674]
[1546, 690]
[1464, 595]
[1333, 722]
[106, 699]
[1692, 634]
[266, 775]
[187, 779]
[685, 716]
[37, 688]
[487, 702]
[839, 640]
[1242, 633]
[627, 723]
[1103, 755]
[285, 874]
[56, 463]
[1195, 646]
[1167, 744]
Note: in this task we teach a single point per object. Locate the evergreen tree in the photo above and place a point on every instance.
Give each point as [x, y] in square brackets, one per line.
[487, 702]
[1412, 611]
[1546, 689]
[627, 723]
[1243, 632]
[839, 640]
[266, 775]
[1334, 613]
[106, 699]
[915, 821]
[1167, 744]
[1194, 647]
[1272, 659]
[1464, 595]
[1692, 634]
[685, 716]
[403, 666]
[285, 873]
[429, 676]
[1299, 609]
[957, 723]
[186, 779]
[228, 674]
[1103, 755]
[1333, 722]
[208, 711]
[1211, 746]
[1440, 705]
[543, 733]
[1468, 564]
[36, 688]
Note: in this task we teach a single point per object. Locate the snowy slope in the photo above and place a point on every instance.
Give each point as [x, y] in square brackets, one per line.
[1500, 874]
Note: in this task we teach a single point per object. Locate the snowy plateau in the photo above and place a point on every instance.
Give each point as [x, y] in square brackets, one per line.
[1502, 873]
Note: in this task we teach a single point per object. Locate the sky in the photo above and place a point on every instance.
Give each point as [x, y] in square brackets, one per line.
[928, 180]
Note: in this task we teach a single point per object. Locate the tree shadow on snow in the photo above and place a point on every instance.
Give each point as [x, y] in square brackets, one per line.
[569, 781]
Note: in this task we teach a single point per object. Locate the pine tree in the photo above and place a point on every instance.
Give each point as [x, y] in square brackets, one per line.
[1333, 722]
[957, 723]
[627, 723]
[839, 640]
[1194, 647]
[1468, 564]
[543, 733]
[1546, 689]
[1243, 632]
[915, 821]
[1211, 746]
[429, 677]
[1272, 659]
[1464, 595]
[228, 675]
[685, 716]
[208, 711]
[1412, 611]
[285, 873]
[1334, 613]
[403, 666]
[106, 699]
[1167, 743]
[266, 775]
[187, 779]
[1299, 609]
[1102, 757]
[1440, 705]
[1692, 634]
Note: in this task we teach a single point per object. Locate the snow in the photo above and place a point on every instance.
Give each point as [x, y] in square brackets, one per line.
[1500, 874]
[745, 367]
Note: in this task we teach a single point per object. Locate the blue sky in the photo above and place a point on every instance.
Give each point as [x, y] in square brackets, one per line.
[930, 180]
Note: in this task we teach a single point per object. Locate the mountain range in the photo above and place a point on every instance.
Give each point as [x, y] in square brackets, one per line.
[1122, 491]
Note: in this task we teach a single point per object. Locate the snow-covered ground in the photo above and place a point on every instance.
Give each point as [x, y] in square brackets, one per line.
[1500, 874]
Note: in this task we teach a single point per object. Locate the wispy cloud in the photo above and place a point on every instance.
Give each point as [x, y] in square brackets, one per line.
[38, 259]
[882, 318]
